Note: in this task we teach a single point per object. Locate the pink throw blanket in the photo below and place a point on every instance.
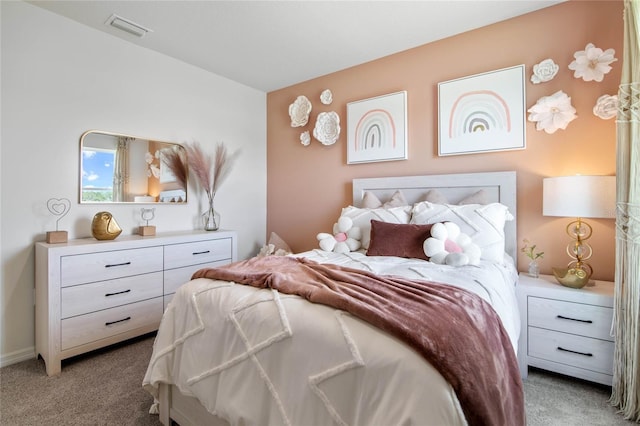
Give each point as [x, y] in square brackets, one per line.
[455, 330]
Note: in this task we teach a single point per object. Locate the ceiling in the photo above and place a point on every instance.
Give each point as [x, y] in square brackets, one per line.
[269, 45]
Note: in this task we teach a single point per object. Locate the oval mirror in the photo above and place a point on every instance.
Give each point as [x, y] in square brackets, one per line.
[118, 168]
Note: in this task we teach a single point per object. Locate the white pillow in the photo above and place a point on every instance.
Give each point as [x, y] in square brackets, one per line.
[362, 218]
[484, 223]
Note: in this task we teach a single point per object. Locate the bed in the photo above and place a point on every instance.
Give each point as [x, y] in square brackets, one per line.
[228, 353]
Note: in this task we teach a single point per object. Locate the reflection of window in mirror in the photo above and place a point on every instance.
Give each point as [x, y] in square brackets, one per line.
[97, 171]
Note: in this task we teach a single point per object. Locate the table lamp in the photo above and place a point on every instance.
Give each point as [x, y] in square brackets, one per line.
[578, 196]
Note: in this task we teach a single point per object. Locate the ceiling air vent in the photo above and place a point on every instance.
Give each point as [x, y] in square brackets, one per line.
[126, 25]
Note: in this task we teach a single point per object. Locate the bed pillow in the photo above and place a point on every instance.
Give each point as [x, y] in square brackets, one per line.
[345, 237]
[480, 197]
[371, 201]
[483, 223]
[398, 239]
[435, 196]
[362, 218]
[448, 246]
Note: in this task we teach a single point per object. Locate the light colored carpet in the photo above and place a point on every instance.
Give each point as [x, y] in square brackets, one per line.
[104, 388]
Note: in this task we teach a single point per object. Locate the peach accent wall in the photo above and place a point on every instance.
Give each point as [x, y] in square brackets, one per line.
[307, 186]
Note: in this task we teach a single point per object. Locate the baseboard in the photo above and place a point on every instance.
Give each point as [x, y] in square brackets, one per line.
[17, 356]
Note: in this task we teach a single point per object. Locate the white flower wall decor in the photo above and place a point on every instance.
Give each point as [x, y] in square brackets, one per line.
[299, 111]
[544, 71]
[326, 97]
[305, 138]
[592, 63]
[552, 112]
[327, 129]
[606, 107]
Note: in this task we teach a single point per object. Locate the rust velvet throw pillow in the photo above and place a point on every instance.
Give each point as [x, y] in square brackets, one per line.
[396, 239]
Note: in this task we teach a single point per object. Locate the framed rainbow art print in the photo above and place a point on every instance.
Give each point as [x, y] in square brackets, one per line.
[482, 113]
[377, 129]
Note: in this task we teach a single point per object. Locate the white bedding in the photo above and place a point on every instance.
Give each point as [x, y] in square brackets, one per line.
[253, 356]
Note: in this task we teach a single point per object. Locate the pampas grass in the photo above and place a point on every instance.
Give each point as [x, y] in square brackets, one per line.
[209, 172]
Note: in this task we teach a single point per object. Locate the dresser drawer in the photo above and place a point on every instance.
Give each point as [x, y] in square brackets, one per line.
[101, 266]
[98, 325]
[576, 318]
[86, 298]
[186, 254]
[174, 278]
[577, 351]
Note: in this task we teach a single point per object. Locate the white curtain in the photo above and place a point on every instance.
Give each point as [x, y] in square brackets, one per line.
[626, 324]
[121, 170]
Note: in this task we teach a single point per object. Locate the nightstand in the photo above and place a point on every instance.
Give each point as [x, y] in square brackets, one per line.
[566, 330]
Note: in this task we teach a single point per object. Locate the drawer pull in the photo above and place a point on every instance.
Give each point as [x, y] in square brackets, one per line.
[201, 252]
[574, 352]
[574, 319]
[118, 292]
[117, 264]
[115, 322]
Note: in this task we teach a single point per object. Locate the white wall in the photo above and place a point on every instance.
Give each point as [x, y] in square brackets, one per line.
[59, 79]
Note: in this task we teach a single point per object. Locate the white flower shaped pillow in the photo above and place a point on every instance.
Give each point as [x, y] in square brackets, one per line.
[448, 246]
[345, 237]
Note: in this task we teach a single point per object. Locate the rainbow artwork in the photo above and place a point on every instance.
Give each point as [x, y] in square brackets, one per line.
[374, 131]
[479, 111]
[482, 113]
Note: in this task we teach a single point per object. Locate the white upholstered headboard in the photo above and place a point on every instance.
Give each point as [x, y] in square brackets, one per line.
[499, 186]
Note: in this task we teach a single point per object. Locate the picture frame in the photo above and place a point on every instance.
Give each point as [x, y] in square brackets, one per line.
[377, 129]
[482, 113]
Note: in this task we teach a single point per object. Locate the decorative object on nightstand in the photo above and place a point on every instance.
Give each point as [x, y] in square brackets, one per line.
[58, 207]
[105, 227]
[578, 196]
[147, 215]
[533, 255]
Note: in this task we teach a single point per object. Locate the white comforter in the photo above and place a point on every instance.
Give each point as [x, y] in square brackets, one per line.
[254, 356]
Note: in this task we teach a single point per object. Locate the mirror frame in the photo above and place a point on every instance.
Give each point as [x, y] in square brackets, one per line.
[160, 183]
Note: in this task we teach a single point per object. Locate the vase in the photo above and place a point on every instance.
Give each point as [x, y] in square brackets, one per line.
[534, 269]
[211, 218]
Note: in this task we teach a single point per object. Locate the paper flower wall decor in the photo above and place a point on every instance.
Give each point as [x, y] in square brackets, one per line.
[592, 63]
[544, 71]
[553, 112]
[326, 97]
[299, 111]
[606, 107]
[327, 129]
[305, 138]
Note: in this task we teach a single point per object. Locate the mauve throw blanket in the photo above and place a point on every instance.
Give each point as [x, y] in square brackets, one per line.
[455, 330]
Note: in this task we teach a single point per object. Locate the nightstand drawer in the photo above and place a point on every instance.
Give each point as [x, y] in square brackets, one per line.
[572, 350]
[575, 318]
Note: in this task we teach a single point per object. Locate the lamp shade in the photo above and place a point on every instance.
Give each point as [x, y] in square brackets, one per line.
[579, 196]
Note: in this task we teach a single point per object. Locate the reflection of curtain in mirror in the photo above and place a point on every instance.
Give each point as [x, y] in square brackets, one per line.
[121, 170]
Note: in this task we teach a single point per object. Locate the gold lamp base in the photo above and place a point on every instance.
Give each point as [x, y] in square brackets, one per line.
[571, 277]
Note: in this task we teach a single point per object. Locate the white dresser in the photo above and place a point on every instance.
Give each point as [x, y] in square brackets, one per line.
[91, 293]
[566, 330]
